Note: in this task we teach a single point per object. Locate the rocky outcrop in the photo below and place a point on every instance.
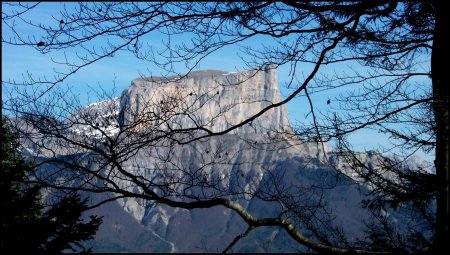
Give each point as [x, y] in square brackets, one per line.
[214, 100]
[243, 160]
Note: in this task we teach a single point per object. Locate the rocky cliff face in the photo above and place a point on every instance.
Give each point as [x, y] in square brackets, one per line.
[244, 160]
[214, 100]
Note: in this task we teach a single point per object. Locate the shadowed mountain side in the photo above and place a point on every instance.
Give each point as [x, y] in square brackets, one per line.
[121, 233]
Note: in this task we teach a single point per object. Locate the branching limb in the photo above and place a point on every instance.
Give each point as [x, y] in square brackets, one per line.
[237, 238]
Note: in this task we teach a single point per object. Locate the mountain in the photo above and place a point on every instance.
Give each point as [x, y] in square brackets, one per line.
[174, 122]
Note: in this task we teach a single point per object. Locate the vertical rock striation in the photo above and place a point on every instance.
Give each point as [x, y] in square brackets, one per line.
[214, 100]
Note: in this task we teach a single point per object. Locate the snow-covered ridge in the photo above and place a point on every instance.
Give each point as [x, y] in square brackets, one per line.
[96, 119]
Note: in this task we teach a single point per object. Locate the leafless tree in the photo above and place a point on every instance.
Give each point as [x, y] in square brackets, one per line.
[398, 45]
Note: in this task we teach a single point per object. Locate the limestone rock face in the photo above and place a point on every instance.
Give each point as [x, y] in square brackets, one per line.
[243, 160]
[211, 99]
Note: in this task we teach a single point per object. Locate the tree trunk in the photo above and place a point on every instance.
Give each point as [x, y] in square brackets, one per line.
[441, 84]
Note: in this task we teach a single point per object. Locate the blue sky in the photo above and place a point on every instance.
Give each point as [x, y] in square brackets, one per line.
[124, 67]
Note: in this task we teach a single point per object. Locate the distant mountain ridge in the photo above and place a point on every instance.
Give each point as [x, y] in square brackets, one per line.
[248, 159]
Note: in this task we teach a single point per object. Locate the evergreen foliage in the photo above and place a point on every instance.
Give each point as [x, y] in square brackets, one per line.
[26, 226]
